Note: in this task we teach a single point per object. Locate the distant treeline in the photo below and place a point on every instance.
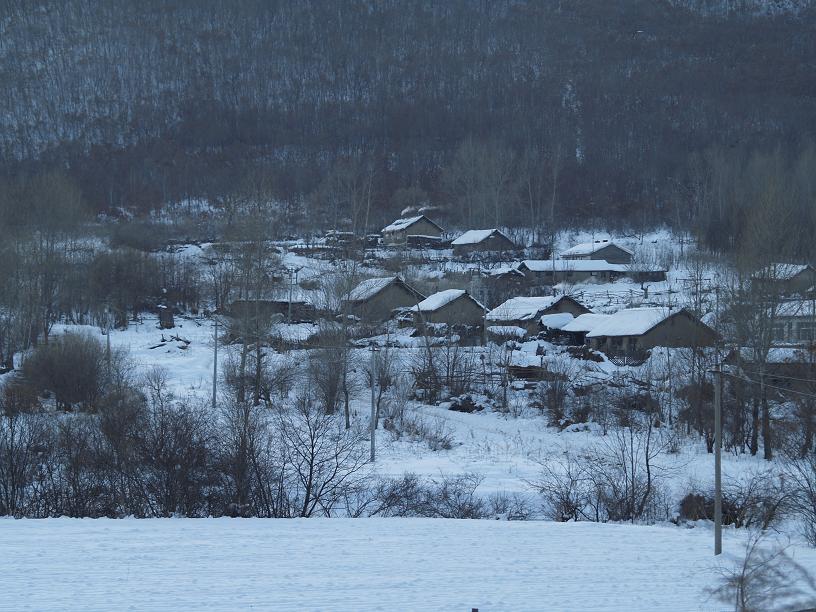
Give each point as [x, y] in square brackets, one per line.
[560, 112]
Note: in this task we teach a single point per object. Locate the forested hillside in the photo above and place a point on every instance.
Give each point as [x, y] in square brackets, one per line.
[565, 111]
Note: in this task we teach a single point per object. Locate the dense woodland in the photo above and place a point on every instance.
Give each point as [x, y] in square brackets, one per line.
[510, 112]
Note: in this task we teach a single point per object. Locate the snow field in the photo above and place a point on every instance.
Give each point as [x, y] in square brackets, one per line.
[348, 565]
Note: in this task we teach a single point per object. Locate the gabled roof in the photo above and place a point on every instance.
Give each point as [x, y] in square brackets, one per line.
[632, 322]
[585, 322]
[521, 308]
[477, 236]
[371, 287]
[572, 265]
[438, 300]
[588, 248]
[795, 308]
[403, 224]
[505, 270]
[783, 271]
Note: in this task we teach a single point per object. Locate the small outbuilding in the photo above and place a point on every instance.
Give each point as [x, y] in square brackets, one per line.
[526, 312]
[398, 232]
[376, 299]
[574, 332]
[636, 330]
[452, 307]
[482, 241]
[604, 250]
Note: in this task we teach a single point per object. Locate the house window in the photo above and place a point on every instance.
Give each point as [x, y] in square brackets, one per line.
[778, 332]
[807, 331]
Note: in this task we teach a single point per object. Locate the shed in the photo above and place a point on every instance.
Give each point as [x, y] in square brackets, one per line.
[397, 233]
[482, 241]
[376, 299]
[526, 312]
[635, 330]
[453, 307]
[576, 330]
[604, 250]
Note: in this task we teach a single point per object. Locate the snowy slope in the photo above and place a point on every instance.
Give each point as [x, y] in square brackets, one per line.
[346, 565]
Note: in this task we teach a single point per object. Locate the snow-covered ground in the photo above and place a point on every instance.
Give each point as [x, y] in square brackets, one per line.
[341, 565]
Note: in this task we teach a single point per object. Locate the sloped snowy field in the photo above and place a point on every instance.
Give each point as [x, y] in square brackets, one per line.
[352, 565]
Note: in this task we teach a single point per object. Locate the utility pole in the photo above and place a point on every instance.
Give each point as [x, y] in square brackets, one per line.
[215, 365]
[373, 401]
[717, 460]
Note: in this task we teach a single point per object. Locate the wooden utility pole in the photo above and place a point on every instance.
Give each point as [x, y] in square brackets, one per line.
[717, 460]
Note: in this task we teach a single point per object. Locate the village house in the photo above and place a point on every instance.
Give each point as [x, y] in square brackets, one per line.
[788, 367]
[635, 330]
[787, 279]
[603, 250]
[482, 241]
[452, 307]
[794, 321]
[376, 299]
[500, 284]
[543, 272]
[399, 232]
[526, 312]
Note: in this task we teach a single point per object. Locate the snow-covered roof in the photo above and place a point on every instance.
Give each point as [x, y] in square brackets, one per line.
[585, 322]
[438, 300]
[576, 265]
[403, 224]
[778, 355]
[782, 271]
[796, 308]
[475, 236]
[588, 248]
[505, 270]
[631, 322]
[521, 308]
[557, 320]
[369, 288]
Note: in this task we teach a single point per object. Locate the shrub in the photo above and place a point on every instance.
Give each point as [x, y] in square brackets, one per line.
[72, 367]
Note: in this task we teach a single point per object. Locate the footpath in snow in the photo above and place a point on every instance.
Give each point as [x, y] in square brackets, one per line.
[341, 565]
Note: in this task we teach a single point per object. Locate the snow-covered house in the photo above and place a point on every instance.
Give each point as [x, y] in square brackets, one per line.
[787, 278]
[635, 330]
[791, 367]
[550, 272]
[604, 250]
[453, 307]
[376, 299]
[500, 284]
[482, 241]
[398, 232]
[794, 321]
[526, 312]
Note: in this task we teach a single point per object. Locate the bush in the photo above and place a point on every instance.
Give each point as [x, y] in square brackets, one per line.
[756, 502]
[72, 367]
